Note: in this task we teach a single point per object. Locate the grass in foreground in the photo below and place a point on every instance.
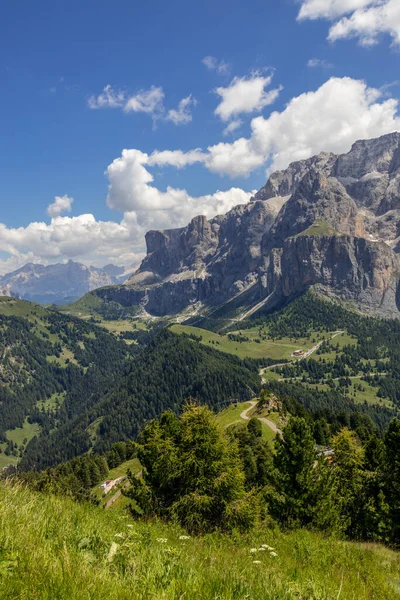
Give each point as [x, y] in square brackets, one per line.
[52, 548]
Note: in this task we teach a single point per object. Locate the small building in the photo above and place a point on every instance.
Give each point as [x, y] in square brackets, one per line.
[106, 483]
[298, 353]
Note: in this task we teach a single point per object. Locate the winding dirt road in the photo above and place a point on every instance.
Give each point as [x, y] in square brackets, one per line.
[270, 424]
[303, 357]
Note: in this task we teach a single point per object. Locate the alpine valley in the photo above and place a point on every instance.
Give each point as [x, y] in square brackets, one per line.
[237, 397]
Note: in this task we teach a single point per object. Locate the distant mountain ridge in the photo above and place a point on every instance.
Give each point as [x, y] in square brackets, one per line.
[331, 222]
[59, 283]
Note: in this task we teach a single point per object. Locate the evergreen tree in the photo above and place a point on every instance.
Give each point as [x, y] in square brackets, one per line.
[392, 478]
[294, 462]
[192, 474]
[347, 466]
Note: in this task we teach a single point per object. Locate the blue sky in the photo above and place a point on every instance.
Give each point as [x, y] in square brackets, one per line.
[60, 131]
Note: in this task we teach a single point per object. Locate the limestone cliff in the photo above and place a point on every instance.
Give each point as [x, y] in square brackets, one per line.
[331, 221]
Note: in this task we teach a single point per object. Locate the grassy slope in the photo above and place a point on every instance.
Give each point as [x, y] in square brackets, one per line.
[52, 548]
[5, 460]
[281, 349]
[319, 228]
[84, 308]
[10, 307]
[231, 416]
[20, 433]
[87, 307]
[132, 465]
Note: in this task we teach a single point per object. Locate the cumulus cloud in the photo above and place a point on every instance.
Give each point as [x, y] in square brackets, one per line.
[369, 23]
[315, 63]
[81, 238]
[220, 66]
[182, 115]
[236, 159]
[61, 204]
[108, 98]
[365, 20]
[176, 158]
[331, 118]
[131, 191]
[245, 95]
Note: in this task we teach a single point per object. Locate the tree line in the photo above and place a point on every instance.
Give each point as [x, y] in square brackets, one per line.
[205, 479]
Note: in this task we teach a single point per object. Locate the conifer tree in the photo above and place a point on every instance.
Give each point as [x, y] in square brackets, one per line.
[392, 477]
[294, 462]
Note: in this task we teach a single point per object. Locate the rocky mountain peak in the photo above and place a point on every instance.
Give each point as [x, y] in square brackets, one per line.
[58, 283]
[330, 220]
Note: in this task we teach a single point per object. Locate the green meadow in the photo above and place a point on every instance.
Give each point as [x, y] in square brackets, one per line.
[52, 548]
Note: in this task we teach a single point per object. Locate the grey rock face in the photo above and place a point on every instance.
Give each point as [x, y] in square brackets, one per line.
[351, 268]
[331, 221]
[317, 198]
[284, 183]
[58, 283]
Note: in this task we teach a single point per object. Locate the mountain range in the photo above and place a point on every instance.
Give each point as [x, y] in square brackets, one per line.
[331, 222]
[59, 283]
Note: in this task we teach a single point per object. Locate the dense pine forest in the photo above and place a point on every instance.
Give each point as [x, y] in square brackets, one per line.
[163, 375]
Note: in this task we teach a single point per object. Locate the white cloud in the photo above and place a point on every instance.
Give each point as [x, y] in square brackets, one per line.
[81, 238]
[220, 66]
[362, 19]
[236, 159]
[245, 95]
[149, 101]
[109, 98]
[232, 126]
[329, 9]
[315, 63]
[369, 23]
[61, 204]
[176, 158]
[330, 118]
[130, 190]
[182, 115]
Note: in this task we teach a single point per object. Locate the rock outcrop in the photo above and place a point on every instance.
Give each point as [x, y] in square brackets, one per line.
[328, 221]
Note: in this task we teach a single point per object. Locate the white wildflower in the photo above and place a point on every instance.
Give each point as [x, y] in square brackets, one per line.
[257, 562]
[266, 547]
[129, 525]
[119, 535]
[184, 537]
[261, 549]
[162, 540]
[273, 554]
[253, 549]
[112, 551]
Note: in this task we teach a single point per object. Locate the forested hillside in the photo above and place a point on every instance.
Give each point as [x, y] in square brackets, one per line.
[49, 364]
[164, 374]
[83, 388]
[361, 374]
